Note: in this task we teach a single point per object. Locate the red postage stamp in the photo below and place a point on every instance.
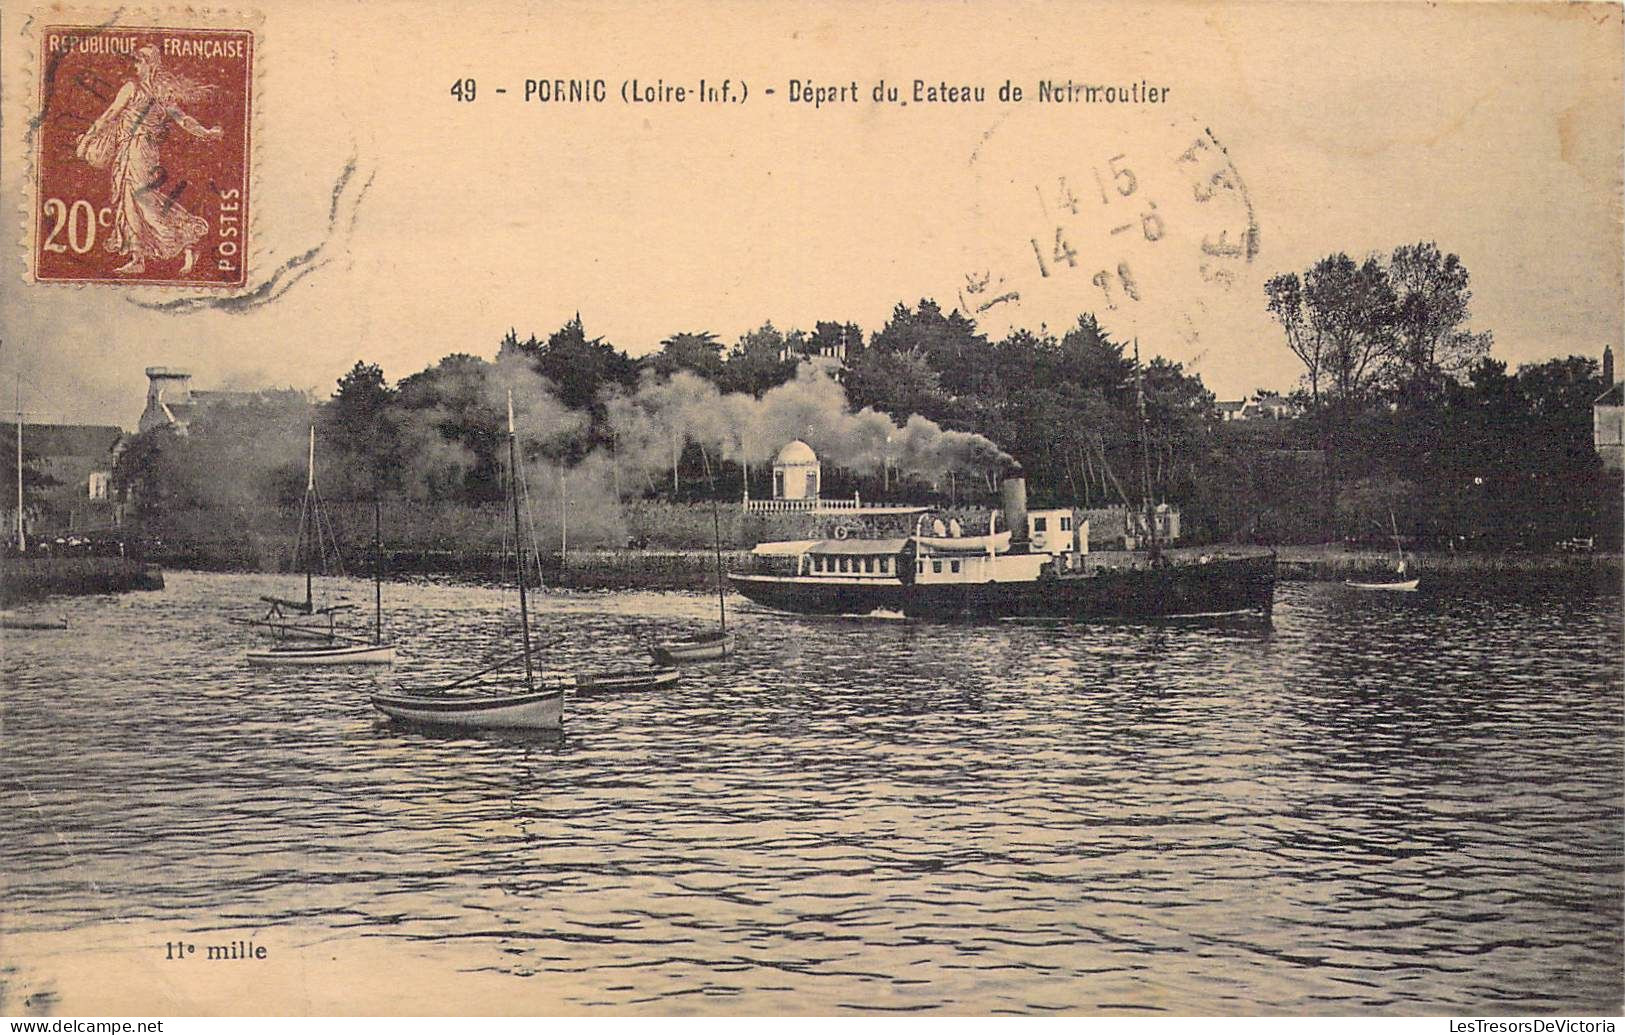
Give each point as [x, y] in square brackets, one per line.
[142, 156]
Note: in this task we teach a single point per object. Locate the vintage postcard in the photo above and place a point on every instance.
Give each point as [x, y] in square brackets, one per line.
[745, 508]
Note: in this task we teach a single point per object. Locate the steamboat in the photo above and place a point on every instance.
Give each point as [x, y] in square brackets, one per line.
[1019, 565]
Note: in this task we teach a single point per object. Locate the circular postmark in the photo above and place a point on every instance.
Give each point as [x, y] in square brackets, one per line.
[1142, 220]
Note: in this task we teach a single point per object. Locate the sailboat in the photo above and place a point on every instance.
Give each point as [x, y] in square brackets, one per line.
[711, 644]
[338, 648]
[527, 706]
[317, 643]
[1399, 583]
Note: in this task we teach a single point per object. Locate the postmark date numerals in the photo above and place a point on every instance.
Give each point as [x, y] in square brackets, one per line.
[1125, 282]
[1063, 252]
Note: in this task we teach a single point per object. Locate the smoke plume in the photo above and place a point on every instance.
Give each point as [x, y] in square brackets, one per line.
[651, 425]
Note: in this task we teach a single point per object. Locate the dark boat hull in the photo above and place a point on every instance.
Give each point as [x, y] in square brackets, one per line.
[1223, 586]
[811, 596]
[590, 683]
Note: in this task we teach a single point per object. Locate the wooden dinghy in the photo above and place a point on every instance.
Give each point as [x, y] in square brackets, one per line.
[535, 704]
[705, 646]
[541, 709]
[713, 644]
[1399, 583]
[1406, 586]
[13, 620]
[359, 653]
[306, 635]
[591, 683]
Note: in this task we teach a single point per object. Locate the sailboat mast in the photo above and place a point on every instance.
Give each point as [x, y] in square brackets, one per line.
[1145, 451]
[310, 490]
[22, 542]
[518, 540]
[377, 573]
[722, 603]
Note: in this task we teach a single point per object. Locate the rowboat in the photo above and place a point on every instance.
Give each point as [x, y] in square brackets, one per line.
[712, 644]
[998, 542]
[1399, 583]
[13, 620]
[1406, 586]
[324, 654]
[705, 646]
[615, 682]
[532, 709]
[542, 708]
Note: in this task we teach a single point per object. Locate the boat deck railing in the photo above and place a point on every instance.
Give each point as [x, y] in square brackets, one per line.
[1095, 562]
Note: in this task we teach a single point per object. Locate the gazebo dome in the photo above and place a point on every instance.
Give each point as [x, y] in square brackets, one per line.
[795, 454]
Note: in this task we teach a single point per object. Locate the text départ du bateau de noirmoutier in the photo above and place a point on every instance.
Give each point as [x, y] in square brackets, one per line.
[819, 95]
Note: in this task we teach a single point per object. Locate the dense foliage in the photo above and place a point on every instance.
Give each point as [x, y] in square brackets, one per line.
[1405, 421]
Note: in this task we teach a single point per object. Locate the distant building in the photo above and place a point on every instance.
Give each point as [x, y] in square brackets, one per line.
[1274, 406]
[1263, 406]
[78, 458]
[834, 353]
[172, 402]
[1608, 418]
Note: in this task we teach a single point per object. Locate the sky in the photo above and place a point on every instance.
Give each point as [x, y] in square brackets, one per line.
[436, 225]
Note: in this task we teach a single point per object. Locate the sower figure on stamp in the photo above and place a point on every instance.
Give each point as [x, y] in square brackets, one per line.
[148, 222]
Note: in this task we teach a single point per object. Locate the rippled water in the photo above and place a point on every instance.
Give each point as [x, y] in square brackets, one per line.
[1382, 804]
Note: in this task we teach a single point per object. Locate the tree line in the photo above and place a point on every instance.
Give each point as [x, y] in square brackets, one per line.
[1417, 425]
[1405, 415]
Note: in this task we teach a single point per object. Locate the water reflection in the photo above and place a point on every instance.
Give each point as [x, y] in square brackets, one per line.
[1377, 804]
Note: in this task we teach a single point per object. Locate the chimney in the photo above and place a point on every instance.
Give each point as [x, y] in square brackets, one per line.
[166, 384]
[1014, 493]
[1607, 366]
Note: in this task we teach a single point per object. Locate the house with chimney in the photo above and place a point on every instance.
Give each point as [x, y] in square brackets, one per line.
[76, 465]
[172, 401]
[1260, 406]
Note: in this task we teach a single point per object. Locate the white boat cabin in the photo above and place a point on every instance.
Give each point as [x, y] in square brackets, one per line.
[1057, 531]
[939, 552]
[853, 560]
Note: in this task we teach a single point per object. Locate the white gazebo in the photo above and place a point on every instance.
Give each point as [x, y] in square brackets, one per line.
[795, 472]
[796, 484]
